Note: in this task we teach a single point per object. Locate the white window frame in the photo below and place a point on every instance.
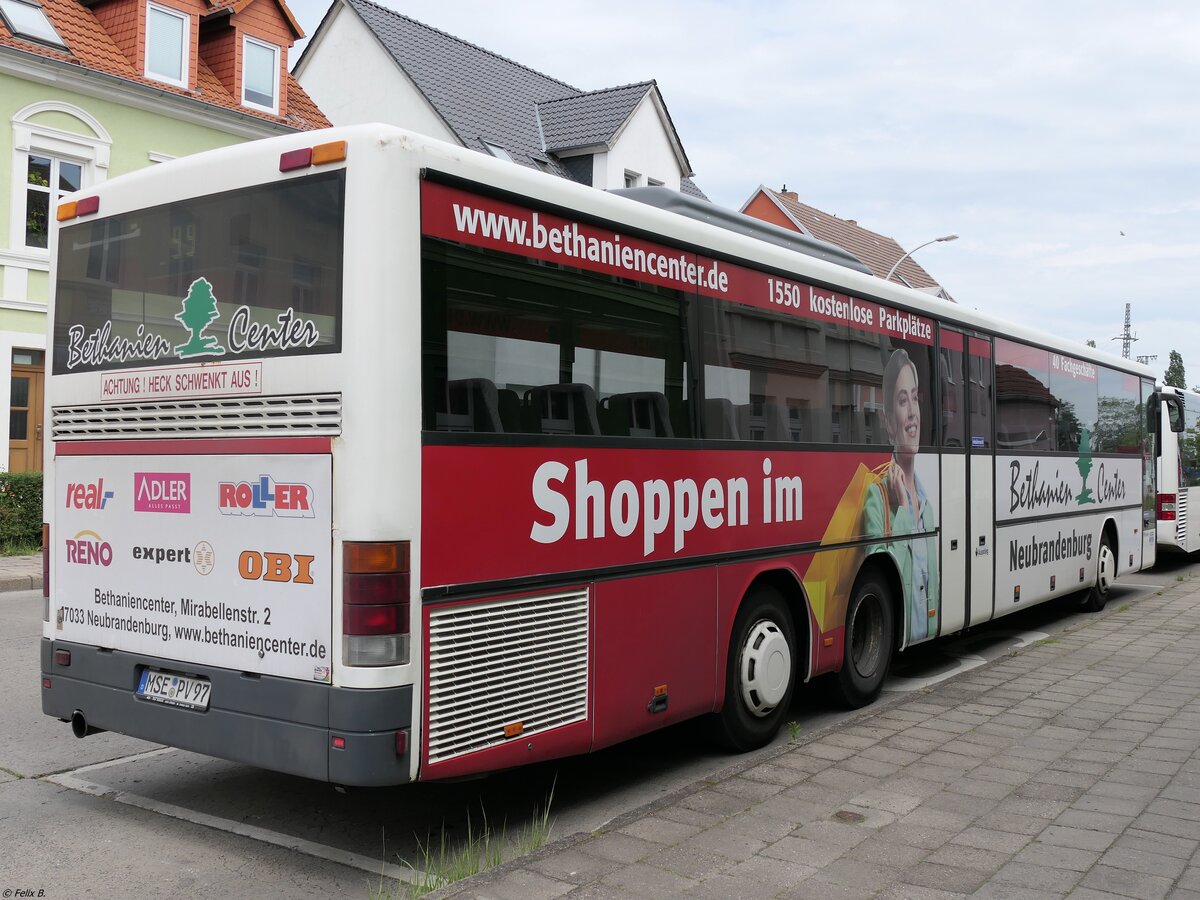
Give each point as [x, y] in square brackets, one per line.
[633, 179]
[248, 41]
[33, 139]
[49, 35]
[185, 45]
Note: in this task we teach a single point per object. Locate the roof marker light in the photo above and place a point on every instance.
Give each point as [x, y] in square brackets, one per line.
[323, 154]
[87, 206]
[295, 159]
[68, 210]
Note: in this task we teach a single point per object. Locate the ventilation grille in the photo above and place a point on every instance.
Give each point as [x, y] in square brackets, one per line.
[496, 664]
[235, 416]
[1181, 518]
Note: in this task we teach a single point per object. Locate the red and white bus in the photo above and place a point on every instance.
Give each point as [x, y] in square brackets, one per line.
[376, 459]
[1179, 477]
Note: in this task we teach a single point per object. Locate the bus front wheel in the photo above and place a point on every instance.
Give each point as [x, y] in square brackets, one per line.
[867, 652]
[760, 674]
[1106, 570]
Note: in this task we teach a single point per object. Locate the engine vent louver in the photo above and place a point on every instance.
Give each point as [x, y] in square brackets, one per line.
[309, 414]
[498, 663]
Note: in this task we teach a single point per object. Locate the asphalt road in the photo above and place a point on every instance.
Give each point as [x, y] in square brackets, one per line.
[108, 815]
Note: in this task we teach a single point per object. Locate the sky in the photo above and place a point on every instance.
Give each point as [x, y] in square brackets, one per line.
[1060, 141]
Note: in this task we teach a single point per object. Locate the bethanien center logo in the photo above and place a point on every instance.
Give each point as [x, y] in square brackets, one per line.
[199, 311]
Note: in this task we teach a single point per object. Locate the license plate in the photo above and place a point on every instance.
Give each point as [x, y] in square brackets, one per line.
[175, 690]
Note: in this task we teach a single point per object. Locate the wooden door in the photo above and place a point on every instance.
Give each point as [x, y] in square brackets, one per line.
[25, 419]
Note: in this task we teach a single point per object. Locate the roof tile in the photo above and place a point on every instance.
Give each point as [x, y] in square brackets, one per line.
[483, 96]
[91, 47]
[878, 252]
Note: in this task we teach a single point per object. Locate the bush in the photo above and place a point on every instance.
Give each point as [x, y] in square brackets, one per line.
[20, 510]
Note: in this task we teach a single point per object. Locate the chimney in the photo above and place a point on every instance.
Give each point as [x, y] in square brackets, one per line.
[788, 195]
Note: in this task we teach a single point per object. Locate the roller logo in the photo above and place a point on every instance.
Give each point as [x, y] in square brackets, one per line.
[265, 497]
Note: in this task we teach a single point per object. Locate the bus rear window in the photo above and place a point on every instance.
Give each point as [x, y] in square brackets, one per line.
[244, 274]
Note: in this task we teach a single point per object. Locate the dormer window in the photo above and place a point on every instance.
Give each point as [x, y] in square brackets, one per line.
[260, 75]
[168, 34]
[497, 151]
[27, 19]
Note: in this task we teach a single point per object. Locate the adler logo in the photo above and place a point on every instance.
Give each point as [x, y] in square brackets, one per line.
[162, 492]
[88, 496]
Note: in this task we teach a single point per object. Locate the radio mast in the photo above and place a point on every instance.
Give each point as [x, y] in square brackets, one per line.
[1127, 336]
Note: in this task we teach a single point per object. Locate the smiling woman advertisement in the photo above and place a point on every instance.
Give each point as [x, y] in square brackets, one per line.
[900, 504]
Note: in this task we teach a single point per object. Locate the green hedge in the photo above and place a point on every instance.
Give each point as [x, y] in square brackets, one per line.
[20, 510]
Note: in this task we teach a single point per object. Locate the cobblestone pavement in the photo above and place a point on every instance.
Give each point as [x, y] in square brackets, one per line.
[21, 573]
[1070, 768]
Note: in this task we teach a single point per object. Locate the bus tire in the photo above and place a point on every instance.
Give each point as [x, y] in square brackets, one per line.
[869, 640]
[761, 672]
[1106, 570]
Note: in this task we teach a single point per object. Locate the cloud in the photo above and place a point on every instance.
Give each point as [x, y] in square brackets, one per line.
[1037, 131]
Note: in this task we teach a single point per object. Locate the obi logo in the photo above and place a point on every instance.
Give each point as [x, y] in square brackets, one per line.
[162, 492]
[89, 549]
[265, 497]
[279, 567]
[88, 496]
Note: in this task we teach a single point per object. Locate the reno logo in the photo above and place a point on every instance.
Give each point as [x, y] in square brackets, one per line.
[89, 549]
[162, 492]
[88, 496]
[265, 497]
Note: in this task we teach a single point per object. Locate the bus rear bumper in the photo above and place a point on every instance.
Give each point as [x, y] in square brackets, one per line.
[269, 722]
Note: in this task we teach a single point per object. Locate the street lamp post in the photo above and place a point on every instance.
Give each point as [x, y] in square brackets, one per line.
[940, 240]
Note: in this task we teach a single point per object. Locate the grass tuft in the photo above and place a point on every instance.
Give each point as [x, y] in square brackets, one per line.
[441, 862]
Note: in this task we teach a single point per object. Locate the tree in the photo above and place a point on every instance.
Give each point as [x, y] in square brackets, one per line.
[1091, 343]
[199, 311]
[1175, 376]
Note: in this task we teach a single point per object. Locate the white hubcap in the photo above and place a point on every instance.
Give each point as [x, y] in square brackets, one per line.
[766, 668]
[1104, 575]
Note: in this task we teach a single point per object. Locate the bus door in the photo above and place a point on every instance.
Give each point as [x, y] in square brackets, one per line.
[968, 514]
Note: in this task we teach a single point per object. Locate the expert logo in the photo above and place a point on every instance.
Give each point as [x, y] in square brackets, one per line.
[162, 492]
[88, 496]
[265, 497]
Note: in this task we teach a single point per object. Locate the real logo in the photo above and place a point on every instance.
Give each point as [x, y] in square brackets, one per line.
[88, 496]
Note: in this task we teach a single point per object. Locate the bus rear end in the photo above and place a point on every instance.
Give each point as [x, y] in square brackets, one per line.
[1179, 474]
[198, 593]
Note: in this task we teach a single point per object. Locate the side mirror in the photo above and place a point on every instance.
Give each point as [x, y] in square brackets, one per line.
[1174, 412]
[1174, 404]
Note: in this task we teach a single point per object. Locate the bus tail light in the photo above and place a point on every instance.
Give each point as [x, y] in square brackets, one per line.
[1166, 507]
[375, 605]
[45, 571]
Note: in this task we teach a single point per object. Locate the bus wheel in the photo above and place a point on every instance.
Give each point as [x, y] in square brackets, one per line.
[1106, 571]
[869, 639]
[760, 674]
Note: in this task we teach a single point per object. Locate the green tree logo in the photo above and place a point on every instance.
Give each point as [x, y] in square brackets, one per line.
[199, 311]
[1085, 467]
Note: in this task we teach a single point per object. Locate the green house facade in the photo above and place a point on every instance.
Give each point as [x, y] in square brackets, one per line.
[82, 102]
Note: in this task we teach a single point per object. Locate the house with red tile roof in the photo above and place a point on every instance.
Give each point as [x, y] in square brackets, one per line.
[90, 89]
[878, 252]
[368, 63]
